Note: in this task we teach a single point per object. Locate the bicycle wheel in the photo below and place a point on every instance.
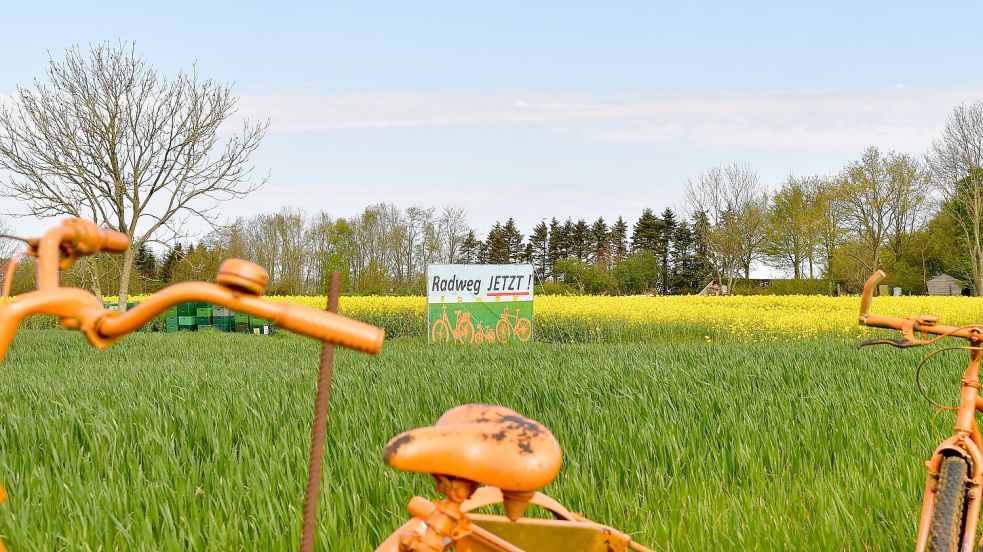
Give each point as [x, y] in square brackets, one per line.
[465, 330]
[441, 332]
[523, 329]
[503, 330]
[946, 530]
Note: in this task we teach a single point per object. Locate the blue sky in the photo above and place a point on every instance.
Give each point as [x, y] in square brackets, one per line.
[539, 109]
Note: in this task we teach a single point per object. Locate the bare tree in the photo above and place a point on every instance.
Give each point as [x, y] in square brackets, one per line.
[735, 204]
[452, 229]
[8, 246]
[910, 206]
[109, 139]
[956, 161]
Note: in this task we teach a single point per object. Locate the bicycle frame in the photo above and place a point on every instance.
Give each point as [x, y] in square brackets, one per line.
[966, 441]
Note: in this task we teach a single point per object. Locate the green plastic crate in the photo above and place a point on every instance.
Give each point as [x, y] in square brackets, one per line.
[186, 309]
[241, 318]
[203, 320]
[203, 311]
[186, 320]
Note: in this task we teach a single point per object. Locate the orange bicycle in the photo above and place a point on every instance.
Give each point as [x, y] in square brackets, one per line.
[484, 334]
[951, 504]
[479, 455]
[463, 331]
[506, 328]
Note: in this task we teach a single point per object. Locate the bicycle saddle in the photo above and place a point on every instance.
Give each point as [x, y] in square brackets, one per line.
[488, 444]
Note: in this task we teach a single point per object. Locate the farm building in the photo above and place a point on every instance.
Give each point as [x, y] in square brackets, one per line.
[943, 284]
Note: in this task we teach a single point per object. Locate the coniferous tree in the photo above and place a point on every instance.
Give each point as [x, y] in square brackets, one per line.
[600, 244]
[554, 252]
[645, 235]
[667, 229]
[174, 256]
[145, 265]
[539, 250]
[705, 268]
[581, 241]
[619, 240]
[514, 248]
[470, 248]
[685, 278]
[566, 240]
[498, 245]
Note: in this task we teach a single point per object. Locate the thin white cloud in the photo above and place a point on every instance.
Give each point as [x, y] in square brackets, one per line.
[896, 117]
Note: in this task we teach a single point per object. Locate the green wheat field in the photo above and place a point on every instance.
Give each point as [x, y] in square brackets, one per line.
[200, 441]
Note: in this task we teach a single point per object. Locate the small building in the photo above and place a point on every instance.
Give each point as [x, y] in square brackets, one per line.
[714, 289]
[943, 284]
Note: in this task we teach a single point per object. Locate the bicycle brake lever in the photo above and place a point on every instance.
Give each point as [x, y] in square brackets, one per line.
[899, 343]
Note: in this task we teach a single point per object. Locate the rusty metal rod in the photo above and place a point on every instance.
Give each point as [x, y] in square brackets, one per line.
[320, 426]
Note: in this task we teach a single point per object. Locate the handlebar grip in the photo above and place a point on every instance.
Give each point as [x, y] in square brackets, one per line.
[868, 296]
[330, 327]
[114, 241]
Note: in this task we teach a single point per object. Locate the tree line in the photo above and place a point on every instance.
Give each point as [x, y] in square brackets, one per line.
[104, 136]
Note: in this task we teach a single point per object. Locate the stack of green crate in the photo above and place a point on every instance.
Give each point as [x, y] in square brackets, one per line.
[203, 315]
[171, 320]
[223, 319]
[194, 315]
[241, 324]
[186, 317]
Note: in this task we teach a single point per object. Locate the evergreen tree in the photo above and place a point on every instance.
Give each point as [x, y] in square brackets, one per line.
[600, 244]
[167, 267]
[514, 248]
[645, 235]
[704, 267]
[497, 245]
[619, 240]
[145, 268]
[539, 250]
[554, 252]
[581, 241]
[566, 240]
[667, 229]
[470, 248]
[684, 279]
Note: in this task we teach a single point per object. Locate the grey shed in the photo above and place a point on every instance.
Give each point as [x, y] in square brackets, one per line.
[943, 284]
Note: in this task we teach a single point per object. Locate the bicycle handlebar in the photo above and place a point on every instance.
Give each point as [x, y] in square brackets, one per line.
[116, 242]
[315, 323]
[908, 326]
[238, 286]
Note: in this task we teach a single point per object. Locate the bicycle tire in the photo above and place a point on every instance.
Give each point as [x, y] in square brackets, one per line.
[503, 331]
[946, 529]
[441, 332]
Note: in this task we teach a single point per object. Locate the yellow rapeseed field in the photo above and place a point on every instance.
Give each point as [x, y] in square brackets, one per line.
[746, 318]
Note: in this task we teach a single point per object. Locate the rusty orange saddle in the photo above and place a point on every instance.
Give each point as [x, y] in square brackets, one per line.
[511, 457]
[487, 444]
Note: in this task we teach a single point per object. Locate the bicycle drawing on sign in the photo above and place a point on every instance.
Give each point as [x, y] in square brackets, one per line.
[463, 330]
